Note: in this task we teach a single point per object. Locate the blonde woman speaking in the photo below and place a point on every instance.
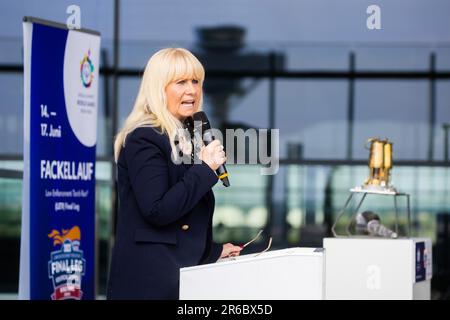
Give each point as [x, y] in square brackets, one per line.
[165, 206]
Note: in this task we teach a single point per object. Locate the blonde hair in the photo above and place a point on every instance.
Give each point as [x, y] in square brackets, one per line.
[150, 107]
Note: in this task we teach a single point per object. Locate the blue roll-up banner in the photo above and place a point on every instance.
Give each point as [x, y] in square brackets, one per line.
[57, 258]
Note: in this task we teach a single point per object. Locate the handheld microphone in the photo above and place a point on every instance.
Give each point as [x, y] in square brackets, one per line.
[201, 124]
[369, 222]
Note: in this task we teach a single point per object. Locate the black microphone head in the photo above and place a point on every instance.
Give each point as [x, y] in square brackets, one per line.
[200, 116]
[189, 124]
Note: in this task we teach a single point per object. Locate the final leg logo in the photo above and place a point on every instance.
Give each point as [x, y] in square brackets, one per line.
[66, 266]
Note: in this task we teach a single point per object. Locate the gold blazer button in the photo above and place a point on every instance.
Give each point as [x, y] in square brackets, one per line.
[185, 227]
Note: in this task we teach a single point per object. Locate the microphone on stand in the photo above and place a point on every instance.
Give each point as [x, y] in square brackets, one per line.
[202, 125]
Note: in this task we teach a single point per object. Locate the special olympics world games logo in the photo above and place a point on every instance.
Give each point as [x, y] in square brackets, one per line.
[87, 70]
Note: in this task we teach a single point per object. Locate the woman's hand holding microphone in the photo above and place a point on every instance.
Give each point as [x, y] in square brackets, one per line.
[213, 155]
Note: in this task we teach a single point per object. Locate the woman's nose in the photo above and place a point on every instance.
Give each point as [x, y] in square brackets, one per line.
[190, 87]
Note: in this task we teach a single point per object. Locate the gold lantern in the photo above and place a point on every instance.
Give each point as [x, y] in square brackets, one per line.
[380, 163]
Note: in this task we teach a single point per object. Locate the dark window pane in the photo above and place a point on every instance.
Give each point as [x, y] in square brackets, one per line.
[311, 116]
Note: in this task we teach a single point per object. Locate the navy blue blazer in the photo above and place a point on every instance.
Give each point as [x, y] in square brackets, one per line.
[164, 221]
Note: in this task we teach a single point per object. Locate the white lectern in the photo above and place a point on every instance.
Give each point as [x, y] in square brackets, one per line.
[377, 268]
[294, 273]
